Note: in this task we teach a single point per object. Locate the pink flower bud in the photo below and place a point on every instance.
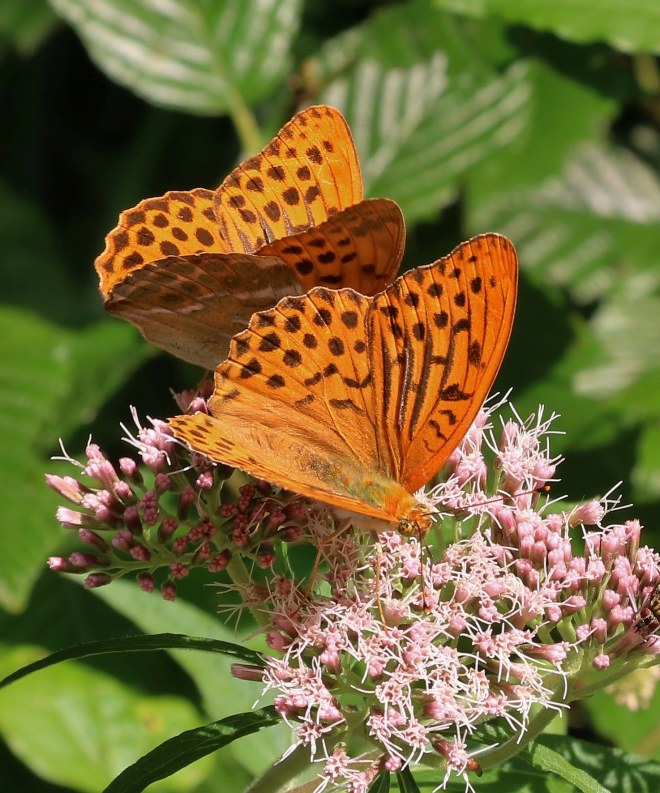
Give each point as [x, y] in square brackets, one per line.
[205, 480]
[277, 641]
[83, 561]
[67, 486]
[140, 553]
[162, 483]
[132, 520]
[58, 564]
[179, 570]
[589, 514]
[168, 590]
[130, 469]
[146, 582]
[73, 520]
[219, 561]
[166, 529]
[247, 672]
[93, 539]
[95, 580]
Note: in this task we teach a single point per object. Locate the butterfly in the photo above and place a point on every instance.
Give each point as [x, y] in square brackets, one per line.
[358, 401]
[189, 269]
[648, 618]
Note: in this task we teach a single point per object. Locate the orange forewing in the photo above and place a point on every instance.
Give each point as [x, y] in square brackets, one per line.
[358, 401]
[308, 172]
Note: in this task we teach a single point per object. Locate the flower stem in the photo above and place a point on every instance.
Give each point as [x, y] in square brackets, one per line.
[238, 573]
[281, 772]
[515, 744]
[246, 125]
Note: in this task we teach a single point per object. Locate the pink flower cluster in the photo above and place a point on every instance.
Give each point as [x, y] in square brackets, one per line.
[163, 519]
[399, 650]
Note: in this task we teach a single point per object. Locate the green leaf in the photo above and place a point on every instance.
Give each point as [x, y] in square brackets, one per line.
[134, 644]
[629, 25]
[202, 56]
[587, 227]
[511, 777]
[406, 781]
[189, 746]
[434, 110]
[27, 23]
[547, 760]
[626, 328]
[220, 691]
[51, 381]
[423, 133]
[614, 768]
[646, 473]
[629, 718]
[563, 112]
[78, 727]
[381, 784]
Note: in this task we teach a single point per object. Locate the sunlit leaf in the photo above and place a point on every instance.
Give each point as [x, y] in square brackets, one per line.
[629, 25]
[90, 726]
[195, 55]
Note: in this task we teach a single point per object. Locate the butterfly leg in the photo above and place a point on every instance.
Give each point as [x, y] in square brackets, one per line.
[344, 526]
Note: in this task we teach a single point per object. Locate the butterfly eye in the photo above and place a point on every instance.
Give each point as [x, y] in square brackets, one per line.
[407, 527]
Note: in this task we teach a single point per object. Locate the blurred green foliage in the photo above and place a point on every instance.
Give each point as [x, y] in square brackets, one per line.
[536, 118]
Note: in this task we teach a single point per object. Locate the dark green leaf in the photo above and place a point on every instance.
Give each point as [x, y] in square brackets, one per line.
[549, 761]
[211, 673]
[615, 769]
[51, 381]
[132, 644]
[27, 23]
[381, 784]
[189, 746]
[406, 781]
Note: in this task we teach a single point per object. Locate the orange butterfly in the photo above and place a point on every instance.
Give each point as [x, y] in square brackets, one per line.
[190, 268]
[358, 401]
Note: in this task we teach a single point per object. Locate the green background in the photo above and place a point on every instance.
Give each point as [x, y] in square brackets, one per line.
[539, 119]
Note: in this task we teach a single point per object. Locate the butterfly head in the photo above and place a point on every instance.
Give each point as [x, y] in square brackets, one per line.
[416, 523]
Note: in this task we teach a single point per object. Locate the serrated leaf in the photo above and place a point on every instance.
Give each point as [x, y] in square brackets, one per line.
[629, 25]
[586, 227]
[51, 381]
[78, 727]
[422, 134]
[422, 106]
[193, 55]
[627, 329]
[134, 644]
[188, 747]
[563, 113]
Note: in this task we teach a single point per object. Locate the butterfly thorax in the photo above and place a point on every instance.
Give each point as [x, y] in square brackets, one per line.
[400, 512]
